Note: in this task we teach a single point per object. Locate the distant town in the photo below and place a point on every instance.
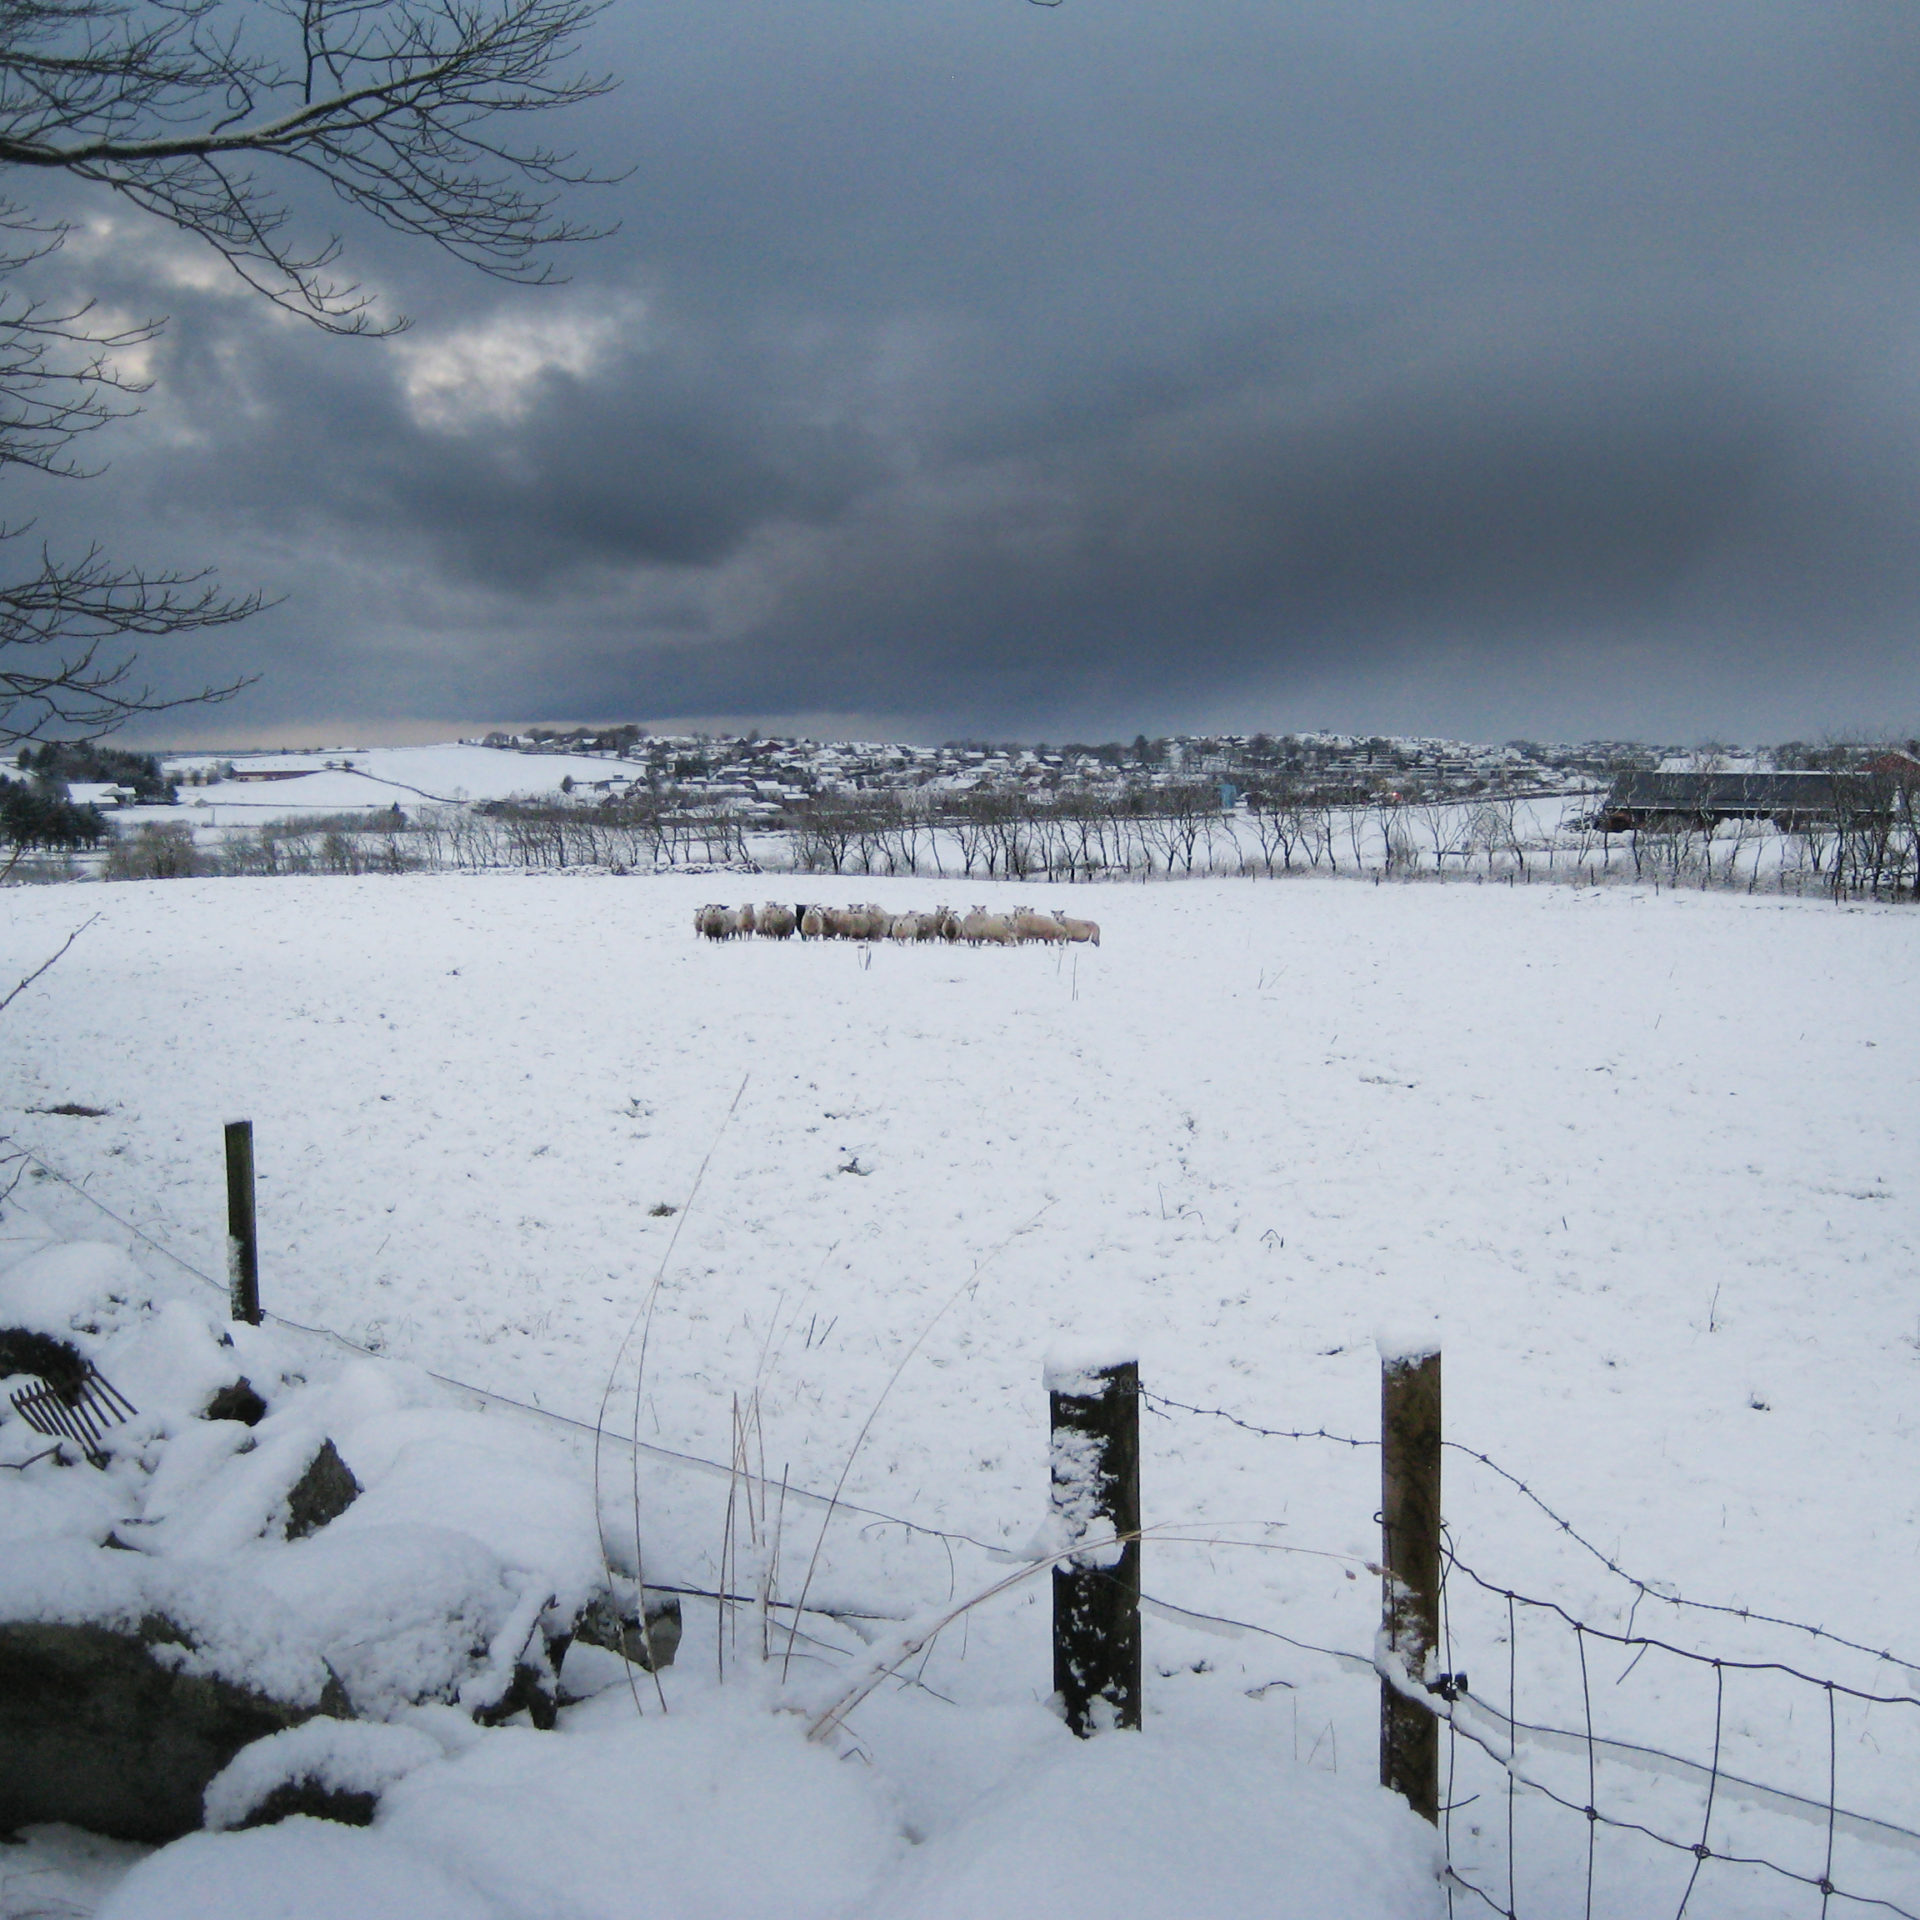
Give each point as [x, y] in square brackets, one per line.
[767, 775]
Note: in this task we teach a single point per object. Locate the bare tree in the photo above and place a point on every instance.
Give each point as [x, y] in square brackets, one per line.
[992, 825]
[1086, 817]
[64, 670]
[1005, 816]
[1181, 821]
[1447, 824]
[1875, 853]
[195, 112]
[1494, 830]
[1278, 820]
[825, 828]
[1397, 853]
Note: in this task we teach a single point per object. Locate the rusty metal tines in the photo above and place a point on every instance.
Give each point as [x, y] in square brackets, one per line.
[83, 1419]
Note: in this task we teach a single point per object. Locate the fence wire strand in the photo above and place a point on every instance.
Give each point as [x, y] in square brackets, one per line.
[1648, 1641]
[1833, 1784]
[872, 1515]
[1593, 1796]
[1648, 1590]
[1643, 1589]
[1513, 1719]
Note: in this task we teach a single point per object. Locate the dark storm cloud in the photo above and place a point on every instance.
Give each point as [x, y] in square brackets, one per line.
[1495, 369]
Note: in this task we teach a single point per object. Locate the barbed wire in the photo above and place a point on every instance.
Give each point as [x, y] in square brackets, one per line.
[1155, 1401]
[1646, 1589]
[1700, 1850]
[1643, 1589]
[1458, 1713]
[1629, 1638]
[1517, 1778]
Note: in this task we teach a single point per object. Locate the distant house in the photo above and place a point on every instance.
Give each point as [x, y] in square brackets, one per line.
[1903, 769]
[270, 773]
[1705, 799]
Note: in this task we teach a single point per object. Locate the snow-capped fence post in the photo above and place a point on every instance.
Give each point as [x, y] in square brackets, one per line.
[243, 1248]
[1095, 1417]
[1410, 1555]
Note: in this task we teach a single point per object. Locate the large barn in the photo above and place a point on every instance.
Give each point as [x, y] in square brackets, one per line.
[1790, 799]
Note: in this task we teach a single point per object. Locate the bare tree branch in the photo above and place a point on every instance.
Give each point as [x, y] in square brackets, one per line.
[62, 670]
[181, 108]
[397, 104]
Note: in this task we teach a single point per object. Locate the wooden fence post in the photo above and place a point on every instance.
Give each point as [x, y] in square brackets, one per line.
[243, 1248]
[1410, 1553]
[1096, 1495]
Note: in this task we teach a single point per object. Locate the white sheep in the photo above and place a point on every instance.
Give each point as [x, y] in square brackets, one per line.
[775, 921]
[861, 923]
[981, 927]
[1028, 925]
[1077, 929]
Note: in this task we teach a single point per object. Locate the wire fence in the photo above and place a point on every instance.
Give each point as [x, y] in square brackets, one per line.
[15, 1153]
[1529, 1795]
[1537, 1774]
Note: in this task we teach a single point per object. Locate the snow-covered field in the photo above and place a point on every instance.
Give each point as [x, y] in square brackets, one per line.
[369, 777]
[1646, 1163]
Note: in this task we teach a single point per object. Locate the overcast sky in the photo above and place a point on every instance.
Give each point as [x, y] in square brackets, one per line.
[971, 367]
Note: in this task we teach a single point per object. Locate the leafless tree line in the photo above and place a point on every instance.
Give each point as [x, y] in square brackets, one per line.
[1013, 833]
[1868, 846]
[636, 836]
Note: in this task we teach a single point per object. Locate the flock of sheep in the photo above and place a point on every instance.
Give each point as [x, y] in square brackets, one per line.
[979, 928]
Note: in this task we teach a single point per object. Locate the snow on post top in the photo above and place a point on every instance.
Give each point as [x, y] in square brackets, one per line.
[1404, 1341]
[1074, 1366]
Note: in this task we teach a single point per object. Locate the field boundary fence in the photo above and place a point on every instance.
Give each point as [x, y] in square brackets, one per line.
[1512, 1752]
[1558, 1759]
[16, 1158]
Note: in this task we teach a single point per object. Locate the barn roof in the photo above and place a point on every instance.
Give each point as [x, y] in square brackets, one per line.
[1722, 792]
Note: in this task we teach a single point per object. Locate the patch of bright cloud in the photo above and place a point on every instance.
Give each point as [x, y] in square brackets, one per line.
[168, 258]
[490, 371]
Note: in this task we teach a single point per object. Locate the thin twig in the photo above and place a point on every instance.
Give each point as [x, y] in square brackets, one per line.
[644, 1313]
[830, 1717]
[45, 964]
[873, 1412]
